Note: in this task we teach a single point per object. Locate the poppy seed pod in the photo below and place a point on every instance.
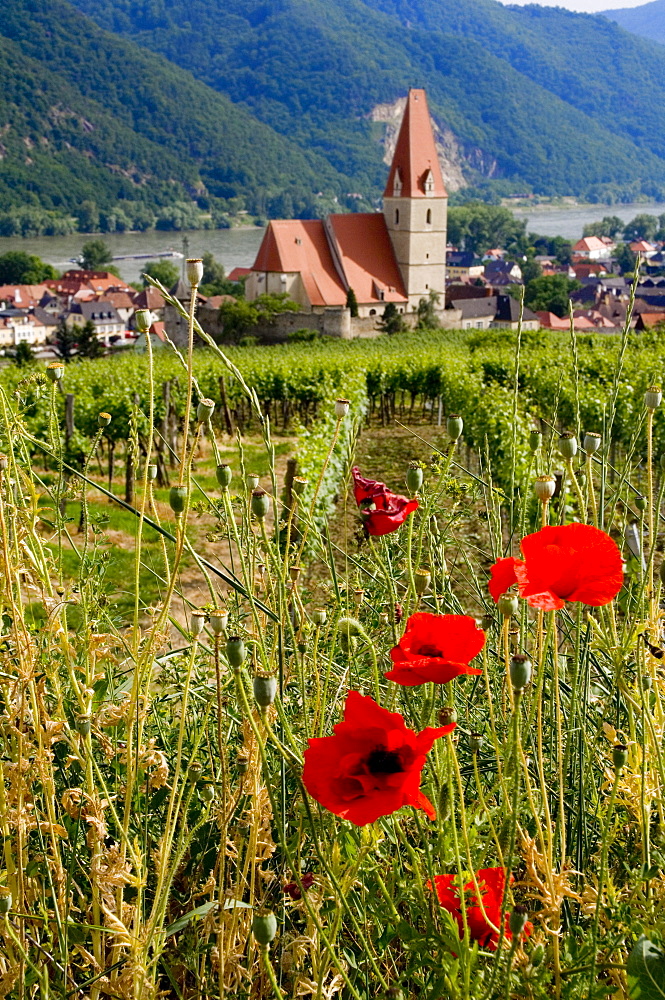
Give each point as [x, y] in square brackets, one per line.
[447, 714]
[414, 477]
[83, 725]
[422, 579]
[520, 671]
[647, 683]
[342, 407]
[265, 689]
[475, 742]
[299, 485]
[205, 410]
[207, 793]
[517, 920]
[264, 928]
[568, 445]
[194, 270]
[454, 426]
[177, 498]
[358, 596]
[252, 481]
[5, 901]
[641, 502]
[55, 371]
[619, 755]
[218, 621]
[242, 763]
[235, 651]
[535, 439]
[197, 622]
[592, 442]
[653, 397]
[294, 572]
[544, 487]
[224, 475]
[260, 503]
[319, 617]
[142, 320]
[103, 419]
[508, 605]
[151, 471]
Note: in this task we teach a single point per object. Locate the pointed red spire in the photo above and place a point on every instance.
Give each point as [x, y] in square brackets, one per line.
[415, 170]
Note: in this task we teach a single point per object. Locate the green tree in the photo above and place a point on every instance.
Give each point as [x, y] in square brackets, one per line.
[89, 345]
[238, 318]
[478, 227]
[392, 320]
[642, 227]
[95, 254]
[625, 258]
[163, 271]
[426, 312]
[214, 281]
[63, 341]
[88, 217]
[530, 269]
[610, 225]
[550, 293]
[20, 268]
[23, 355]
[352, 302]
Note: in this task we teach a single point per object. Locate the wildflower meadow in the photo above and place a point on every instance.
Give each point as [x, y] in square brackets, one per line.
[406, 742]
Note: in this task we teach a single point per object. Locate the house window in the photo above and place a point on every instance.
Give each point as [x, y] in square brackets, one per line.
[429, 216]
[426, 286]
[397, 216]
[372, 312]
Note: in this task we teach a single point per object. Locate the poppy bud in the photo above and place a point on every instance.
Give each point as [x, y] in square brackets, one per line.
[260, 503]
[653, 397]
[568, 445]
[319, 617]
[5, 900]
[265, 689]
[535, 439]
[142, 320]
[537, 955]
[517, 919]
[520, 671]
[103, 419]
[422, 580]
[252, 481]
[508, 605]
[205, 410]
[447, 714]
[592, 442]
[347, 642]
[454, 426]
[55, 371]
[194, 270]
[177, 498]
[197, 623]
[219, 621]
[235, 651]
[264, 928]
[619, 755]
[544, 488]
[399, 613]
[414, 477]
[151, 471]
[341, 408]
[475, 742]
[207, 793]
[299, 485]
[242, 763]
[640, 502]
[445, 811]
[224, 475]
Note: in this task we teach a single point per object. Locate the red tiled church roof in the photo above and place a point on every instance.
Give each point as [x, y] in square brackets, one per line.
[301, 245]
[415, 154]
[367, 257]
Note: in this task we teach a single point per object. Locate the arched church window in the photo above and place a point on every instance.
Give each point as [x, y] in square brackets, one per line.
[429, 216]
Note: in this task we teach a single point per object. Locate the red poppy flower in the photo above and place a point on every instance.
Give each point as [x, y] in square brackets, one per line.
[382, 511]
[435, 648]
[571, 562]
[484, 929]
[371, 766]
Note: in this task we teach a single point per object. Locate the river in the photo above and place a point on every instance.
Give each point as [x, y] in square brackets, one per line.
[238, 247]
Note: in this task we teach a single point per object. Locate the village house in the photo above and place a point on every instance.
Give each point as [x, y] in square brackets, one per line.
[109, 327]
[593, 248]
[463, 264]
[397, 256]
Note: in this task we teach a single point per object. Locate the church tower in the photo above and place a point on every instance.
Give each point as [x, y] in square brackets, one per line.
[415, 205]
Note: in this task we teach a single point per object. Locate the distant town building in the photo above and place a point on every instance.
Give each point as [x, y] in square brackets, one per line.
[398, 256]
[593, 248]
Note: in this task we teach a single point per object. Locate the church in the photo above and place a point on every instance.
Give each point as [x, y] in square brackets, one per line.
[396, 256]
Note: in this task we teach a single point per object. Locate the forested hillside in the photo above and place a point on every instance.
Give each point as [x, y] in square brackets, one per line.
[647, 20]
[96, 124]
[538, 97]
